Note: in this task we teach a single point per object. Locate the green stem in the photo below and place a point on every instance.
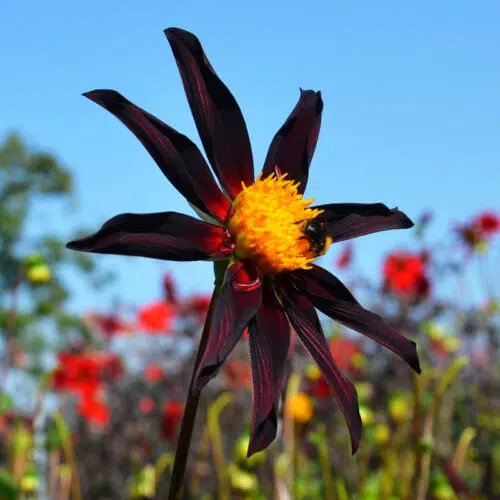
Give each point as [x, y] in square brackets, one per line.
[69, 453]
[324, 461]
[217, 448]
[427, 435]
[190, 411]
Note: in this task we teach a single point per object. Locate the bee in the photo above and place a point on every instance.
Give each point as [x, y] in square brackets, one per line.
[315, 233]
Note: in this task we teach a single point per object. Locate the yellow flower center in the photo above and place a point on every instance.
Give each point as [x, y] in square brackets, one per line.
[268, 223]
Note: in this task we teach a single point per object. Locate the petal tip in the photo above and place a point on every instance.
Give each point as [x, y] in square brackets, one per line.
[263, 434]
[414, 360]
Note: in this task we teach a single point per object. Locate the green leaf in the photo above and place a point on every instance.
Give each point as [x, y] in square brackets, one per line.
[5, 403]
[8, 487]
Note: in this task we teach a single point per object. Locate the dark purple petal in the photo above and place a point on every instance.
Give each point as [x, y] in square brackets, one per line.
[216, 113]
[178, 157]
[318, 282]
[269, 336]
[293, 146]
[306, 323]
[350, 220]
[238, 301]
[165, 235]
[331, 296]
[370, 324]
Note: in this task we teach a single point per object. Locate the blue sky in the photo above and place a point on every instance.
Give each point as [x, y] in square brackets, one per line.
[411, 117]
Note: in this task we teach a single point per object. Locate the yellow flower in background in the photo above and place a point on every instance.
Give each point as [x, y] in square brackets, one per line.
[399, 407]
[299, 407]
[39, 274]
[37, 271]
[367, 416]
[382, 434]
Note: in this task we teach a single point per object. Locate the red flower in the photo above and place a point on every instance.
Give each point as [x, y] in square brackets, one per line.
[265, 229]
[346, 352]
[146, 405]
[77, 373]
[156, 317]
[488, 223]
[154, 372]
[170, 417]
[319, 386]
[345, 258]
[404, 274]
[94, 410]
[84, 375]
[197, 305]
[238, 374]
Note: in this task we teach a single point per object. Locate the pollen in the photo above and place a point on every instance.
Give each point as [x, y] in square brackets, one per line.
[267, 225]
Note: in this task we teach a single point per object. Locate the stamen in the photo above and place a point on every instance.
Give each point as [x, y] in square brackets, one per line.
[268, 222]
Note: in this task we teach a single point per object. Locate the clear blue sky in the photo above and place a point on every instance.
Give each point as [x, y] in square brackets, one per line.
[411, 117]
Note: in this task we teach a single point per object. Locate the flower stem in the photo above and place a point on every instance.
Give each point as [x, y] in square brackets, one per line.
[190, 411]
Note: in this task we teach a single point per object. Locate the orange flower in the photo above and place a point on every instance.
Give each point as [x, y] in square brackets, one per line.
[299, 407]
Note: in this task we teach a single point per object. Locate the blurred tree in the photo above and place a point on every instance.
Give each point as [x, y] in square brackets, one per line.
[33, 293]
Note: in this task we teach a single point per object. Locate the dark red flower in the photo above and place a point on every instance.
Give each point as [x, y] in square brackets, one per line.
[170, 288]
[156, 317]
[109, 324]
[270, 233]
[345, 258]
[404, 274]
[171, 414]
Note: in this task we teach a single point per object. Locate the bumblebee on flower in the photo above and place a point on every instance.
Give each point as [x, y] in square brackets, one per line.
[262, 233]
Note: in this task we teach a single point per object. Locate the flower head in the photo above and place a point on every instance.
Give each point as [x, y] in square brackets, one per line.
[171, 414]
[299, 407]
[405, 274]
[264, 232]
[156, 317]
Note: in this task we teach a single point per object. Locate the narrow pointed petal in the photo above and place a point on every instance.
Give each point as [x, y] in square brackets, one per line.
[236, 306]
[373, 326]
[293, 146]
[216, 113]
[176, 155]
[269, 336]
[350, 220]
[331, 296]
[306, 323]
[164, 235]
[318, 282]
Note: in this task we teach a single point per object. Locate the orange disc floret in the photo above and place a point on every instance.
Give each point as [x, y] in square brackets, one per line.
[267, 225]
